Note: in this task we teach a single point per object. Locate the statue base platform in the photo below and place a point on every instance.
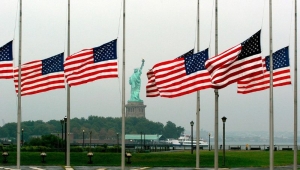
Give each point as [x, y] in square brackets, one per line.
[135, 109]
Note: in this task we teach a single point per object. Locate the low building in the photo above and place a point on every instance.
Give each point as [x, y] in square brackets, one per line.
[138, 138]
[5, 141]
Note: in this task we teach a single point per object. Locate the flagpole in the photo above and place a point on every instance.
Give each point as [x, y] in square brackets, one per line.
[19, 91]
[198, 95]
[216, 135]
[271, 147]
[68, 95]
[123, 95]
[295, 95]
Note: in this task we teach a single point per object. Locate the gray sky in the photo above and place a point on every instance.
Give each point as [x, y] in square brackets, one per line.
[156, 30]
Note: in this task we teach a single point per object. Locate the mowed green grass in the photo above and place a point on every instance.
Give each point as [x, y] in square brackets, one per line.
[159, 159]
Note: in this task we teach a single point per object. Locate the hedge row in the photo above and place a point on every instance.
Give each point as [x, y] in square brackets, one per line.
[72, 149]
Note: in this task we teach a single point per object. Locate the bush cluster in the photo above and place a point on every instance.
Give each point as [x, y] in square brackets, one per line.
[36, 149]
[103, 148]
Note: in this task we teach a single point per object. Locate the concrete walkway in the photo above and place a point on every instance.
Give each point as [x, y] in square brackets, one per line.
[129, 168]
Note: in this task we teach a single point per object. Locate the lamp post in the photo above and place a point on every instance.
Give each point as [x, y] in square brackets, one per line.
[65, 120]
[82, 138]
[62, 131]
[144, 142]
[209, 141]
[192, 124]
[58, 141]
[224, 120]
[90, 154]
[90, 140]
[22, 137]
[141, 140]
[117, 142]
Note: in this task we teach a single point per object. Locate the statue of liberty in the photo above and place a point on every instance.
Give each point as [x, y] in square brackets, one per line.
[135, 82]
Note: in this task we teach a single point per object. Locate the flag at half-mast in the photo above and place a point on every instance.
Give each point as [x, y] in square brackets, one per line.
[183, 75]
[237, 63]
[41, 75]
[6, 61]
[281, 74]
[92, 64]
[151, 88]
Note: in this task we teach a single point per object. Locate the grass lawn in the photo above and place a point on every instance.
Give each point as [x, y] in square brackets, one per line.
[159, 159]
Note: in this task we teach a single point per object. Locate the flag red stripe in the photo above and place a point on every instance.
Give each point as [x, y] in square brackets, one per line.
[80, 68]
[6, 70]
[225, 68]
[222, 60]
[281, 77]
[33, 82]
[169, 79]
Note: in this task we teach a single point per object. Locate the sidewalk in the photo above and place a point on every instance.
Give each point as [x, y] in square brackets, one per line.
[129, 168]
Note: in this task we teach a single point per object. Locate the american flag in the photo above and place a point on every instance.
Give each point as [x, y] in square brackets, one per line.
[151, 88]
[6, 61]
[41, 75]
[237, 63]
[281, 74]
[178, 77]
[92, 64]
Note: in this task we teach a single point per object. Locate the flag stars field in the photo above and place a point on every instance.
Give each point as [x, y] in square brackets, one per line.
[196, 62]
[6, 52]
[6, 61]
[251, 46]
[53, 64]
[280, 59]
[105, 52]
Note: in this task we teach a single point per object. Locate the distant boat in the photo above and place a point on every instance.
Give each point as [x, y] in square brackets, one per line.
[185, 140]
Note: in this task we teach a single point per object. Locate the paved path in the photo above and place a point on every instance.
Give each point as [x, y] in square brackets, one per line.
[128, 168]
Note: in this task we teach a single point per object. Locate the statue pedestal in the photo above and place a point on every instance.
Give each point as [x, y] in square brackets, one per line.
[135, 109]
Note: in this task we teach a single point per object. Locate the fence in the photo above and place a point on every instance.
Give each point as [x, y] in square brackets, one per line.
[238, 147]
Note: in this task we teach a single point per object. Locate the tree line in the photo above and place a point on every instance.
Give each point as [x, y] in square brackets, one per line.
[101, 128]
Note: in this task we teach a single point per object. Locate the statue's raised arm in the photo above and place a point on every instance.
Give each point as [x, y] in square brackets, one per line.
[142, 65]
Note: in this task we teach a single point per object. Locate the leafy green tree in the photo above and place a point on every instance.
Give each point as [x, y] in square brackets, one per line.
[101, 127]
[35, 141]
[50, 141]
[102, 134]
[111, 134]
[3, 132]
[11, 127]
[171, 131]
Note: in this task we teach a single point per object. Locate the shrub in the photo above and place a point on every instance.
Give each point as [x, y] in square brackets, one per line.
[76, 149]
[99, 149]
[36, 149]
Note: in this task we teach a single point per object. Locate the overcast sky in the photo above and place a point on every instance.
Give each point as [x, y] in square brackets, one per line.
[156, 30]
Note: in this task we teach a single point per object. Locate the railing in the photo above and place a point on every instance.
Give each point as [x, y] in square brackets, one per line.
[240, 147]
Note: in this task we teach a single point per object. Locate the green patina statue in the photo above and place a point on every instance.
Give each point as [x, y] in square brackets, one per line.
[135, 82]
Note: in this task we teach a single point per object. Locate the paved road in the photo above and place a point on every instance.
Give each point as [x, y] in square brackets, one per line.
[128, 168]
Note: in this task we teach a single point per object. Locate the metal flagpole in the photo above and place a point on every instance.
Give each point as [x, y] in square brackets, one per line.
[198, 96]
[68, 94]
[295, 95]
[216, 93]
[19, 91]
[271, 147]
[123, 95]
